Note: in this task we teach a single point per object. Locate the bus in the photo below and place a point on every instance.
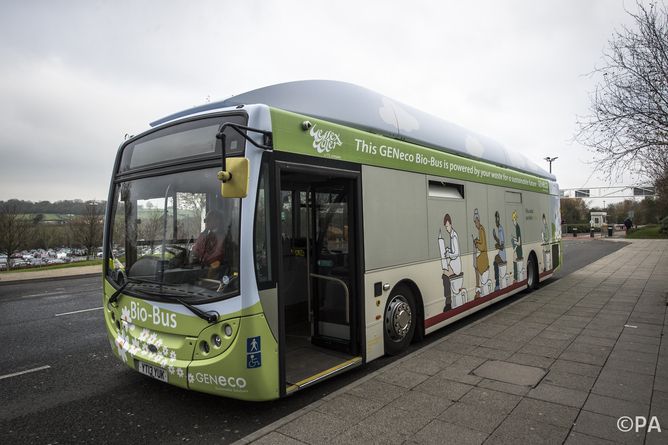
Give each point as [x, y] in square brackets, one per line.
[258, 245]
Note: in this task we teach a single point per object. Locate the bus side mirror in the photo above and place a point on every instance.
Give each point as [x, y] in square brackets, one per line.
[235, 178]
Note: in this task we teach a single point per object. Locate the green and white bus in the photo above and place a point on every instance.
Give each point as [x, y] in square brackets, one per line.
[258, 245]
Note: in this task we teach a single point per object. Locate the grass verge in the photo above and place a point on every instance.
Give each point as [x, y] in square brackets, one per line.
[55, 266]
[647, 232]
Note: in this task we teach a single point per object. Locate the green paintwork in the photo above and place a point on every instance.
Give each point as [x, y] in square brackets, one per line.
[225, 374]
[332, 141]
[221, 371]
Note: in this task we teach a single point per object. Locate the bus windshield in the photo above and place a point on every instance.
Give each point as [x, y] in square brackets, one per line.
[176, 232]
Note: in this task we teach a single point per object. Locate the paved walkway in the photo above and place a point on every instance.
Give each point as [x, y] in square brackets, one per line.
[9, 277]
[560, 365]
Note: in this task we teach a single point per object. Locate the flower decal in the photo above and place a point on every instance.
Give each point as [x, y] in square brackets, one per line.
[122, 345]
[141, 345]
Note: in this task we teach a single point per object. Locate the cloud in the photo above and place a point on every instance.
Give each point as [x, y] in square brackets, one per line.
[76, 76]
[63, 126]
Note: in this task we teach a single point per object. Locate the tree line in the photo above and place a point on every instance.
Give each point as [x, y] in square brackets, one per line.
[65, 207]
[23, 227]
[575, 211]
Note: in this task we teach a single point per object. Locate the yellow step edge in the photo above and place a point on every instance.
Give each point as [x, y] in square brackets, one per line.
[318, 376]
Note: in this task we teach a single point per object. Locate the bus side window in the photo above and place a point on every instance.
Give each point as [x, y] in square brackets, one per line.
[262, 240]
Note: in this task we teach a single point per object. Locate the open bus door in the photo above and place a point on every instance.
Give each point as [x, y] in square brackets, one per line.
[318, 283]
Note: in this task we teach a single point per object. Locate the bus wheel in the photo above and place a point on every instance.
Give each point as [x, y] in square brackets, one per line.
[399, 321]
[532, 273]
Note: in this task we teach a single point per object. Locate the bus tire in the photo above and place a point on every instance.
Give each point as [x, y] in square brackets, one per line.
[399, 320]
[532, 273]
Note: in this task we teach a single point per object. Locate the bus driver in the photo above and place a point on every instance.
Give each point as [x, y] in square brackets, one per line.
[208, 248]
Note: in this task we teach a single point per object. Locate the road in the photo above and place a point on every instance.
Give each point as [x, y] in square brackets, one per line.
[60, 383]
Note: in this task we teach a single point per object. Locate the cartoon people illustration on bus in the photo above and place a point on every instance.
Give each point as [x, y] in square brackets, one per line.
[481, 261]
[545, 235]
[451, 263]
[500, 274]
[518, 256]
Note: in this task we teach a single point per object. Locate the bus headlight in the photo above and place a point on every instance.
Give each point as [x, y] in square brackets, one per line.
[216, 339]
[228, 330]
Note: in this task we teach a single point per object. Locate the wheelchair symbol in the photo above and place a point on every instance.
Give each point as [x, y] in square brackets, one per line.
[254, 361]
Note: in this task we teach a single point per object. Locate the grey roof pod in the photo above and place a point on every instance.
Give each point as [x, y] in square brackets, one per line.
[361, 108]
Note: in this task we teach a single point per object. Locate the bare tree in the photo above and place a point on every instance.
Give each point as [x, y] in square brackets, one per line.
[87, 228]
[628, 125]
[14, 228]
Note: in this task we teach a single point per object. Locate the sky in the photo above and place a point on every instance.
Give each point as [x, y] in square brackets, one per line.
[77, 76]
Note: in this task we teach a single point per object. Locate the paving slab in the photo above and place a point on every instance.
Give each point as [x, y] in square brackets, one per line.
[614, 407]
[558, 394]
[521, 375]
[520, 429]
[350, 407]
[423, 404]
[473, 416]
[441, 387]
[368, 434]
[459, 374]
[536, 361]
[397, 421]
[546, 412]
[314, 427]
[569, 380]
[605, 427]
[402, 377]
[438, 432]
[504, 387]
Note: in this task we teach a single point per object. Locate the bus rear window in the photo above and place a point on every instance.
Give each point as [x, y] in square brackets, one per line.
[189, 139]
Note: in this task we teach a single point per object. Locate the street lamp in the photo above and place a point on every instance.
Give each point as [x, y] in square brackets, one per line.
[550, 160]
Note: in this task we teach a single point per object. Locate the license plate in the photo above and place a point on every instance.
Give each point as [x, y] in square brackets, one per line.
[152, 371]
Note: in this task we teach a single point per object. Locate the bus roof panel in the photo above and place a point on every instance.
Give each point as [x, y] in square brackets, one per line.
[364, 109]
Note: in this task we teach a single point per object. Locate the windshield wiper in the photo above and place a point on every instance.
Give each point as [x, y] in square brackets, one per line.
[209, 317]
[128, 280]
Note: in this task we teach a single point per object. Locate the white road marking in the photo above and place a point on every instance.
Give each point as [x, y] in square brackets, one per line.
[43, 294]
[82, 310]
[41, 368]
